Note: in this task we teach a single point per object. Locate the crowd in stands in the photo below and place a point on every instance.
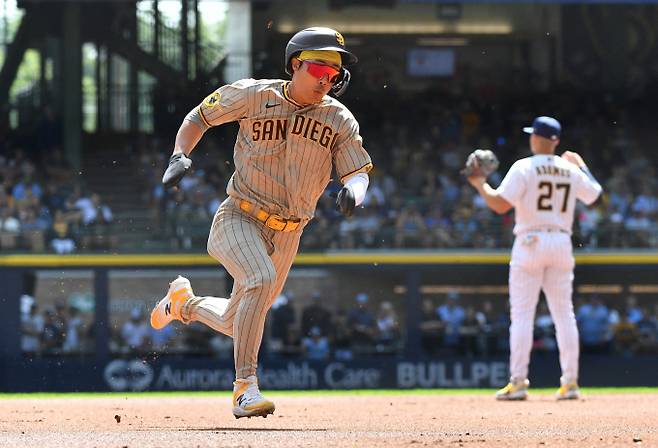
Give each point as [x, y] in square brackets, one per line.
[57, 330]
[483, 330]
[417, 198]
[448, 326]
[308, 327]
[44, 206]
[316, 333]
[320, 332]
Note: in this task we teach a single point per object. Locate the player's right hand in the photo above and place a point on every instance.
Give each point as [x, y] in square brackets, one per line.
[178, 165]
[574, 158]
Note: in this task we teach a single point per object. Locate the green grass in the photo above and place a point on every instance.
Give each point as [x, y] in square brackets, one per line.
[294, 393]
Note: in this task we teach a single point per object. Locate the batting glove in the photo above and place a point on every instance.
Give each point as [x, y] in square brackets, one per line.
[345, 201]
[178, 166]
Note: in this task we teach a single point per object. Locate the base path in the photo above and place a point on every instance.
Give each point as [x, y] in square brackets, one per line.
[331, 421]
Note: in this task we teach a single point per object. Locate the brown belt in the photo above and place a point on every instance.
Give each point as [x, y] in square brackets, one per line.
[271, 220]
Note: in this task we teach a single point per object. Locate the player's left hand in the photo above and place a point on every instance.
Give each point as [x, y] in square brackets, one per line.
[345, 201]
[480, 164]
[179, 164]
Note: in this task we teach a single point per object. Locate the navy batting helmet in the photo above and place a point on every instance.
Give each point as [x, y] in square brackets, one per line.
[321, 38]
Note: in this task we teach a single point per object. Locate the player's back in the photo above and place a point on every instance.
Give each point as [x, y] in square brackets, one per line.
[544, 189]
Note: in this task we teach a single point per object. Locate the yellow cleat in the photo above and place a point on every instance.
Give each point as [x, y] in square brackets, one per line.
[568, 391]
[516, 390]
[169, 308]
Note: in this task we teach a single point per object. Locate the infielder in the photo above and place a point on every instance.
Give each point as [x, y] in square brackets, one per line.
[542, 189]
[291, 135]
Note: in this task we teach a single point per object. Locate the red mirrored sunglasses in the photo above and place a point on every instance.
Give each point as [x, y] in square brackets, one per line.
[319, 70]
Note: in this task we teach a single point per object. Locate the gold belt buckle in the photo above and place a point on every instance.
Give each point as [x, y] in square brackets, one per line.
[275, 222]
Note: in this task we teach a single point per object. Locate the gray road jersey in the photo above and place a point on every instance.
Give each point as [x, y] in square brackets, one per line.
[284, 152]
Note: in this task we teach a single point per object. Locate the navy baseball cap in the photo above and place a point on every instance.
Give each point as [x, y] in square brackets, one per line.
[546, 127]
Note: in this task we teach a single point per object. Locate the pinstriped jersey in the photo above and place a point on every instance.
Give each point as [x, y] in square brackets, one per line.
[284, 152]
[543, 190]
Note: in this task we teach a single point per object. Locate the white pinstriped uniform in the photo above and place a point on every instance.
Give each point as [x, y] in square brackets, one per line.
[284, 154]
[543, 190]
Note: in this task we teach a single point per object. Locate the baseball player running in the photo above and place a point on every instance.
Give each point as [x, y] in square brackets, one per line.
[542, 189]
[291, 135]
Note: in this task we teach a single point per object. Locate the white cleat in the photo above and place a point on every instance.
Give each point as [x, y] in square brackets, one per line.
[248, 401]
[516, 390]
[169, 308]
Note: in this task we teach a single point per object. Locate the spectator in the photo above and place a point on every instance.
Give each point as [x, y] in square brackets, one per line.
[72, 341]
[60, 316]
[10, 228]
[632, 310]
[544, 334]
[362, 324]
[27, 186]
[282, 318]
[135, 333]
[593, 319]
[52, 337]
[342, 337]
[32, 326]
[315, 346]
[61, 238]
[388, 328]
[452, 315]
[647, 332]
[55, 197]
[487, 338]
[316, 315]
[8, 222]
[431, 327]
[100, 212]
[469, 331]
[160, 339]
[625, 336]
[33, 228]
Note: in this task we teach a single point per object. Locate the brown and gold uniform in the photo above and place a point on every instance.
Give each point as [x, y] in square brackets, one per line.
[284, 155]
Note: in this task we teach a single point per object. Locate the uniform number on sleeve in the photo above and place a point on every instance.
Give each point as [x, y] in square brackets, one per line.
[546, 194]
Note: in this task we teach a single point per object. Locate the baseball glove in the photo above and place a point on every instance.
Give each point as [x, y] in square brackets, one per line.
[480, 163]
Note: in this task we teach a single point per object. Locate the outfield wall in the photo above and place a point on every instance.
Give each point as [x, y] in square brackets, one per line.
[166, 373]
[111, 285]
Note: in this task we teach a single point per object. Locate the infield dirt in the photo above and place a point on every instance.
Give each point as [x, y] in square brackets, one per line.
[331, 421]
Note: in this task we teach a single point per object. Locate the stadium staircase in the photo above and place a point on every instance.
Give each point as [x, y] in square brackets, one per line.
[175, 54]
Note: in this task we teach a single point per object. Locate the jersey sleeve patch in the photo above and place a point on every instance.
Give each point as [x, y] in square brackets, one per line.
[212, 100]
